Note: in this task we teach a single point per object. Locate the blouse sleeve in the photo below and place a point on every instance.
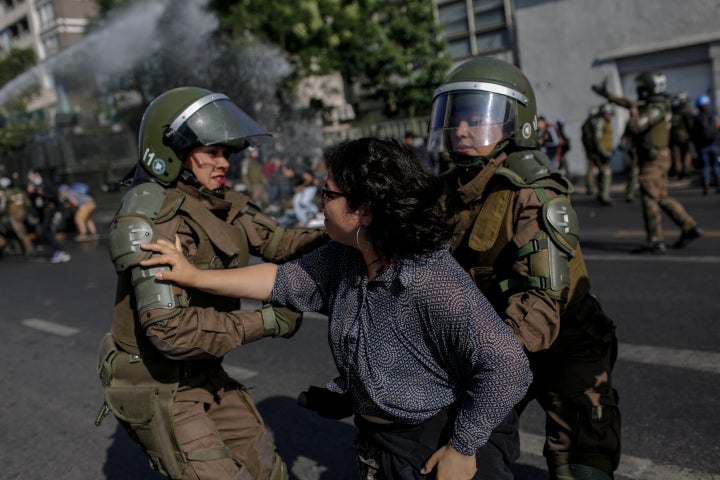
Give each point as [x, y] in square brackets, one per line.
[488, 364]
[303, 284]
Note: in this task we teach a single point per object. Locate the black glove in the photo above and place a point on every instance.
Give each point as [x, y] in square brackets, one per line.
[280, 321]
[327, 404]
[600, 90]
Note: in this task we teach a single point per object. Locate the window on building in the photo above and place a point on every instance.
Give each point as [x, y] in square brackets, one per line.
[474, 27]
[46, 12]
[52, 44]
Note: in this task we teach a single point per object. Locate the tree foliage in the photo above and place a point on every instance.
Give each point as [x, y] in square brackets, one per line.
[390, 48]
[15, 62]
[17, 127]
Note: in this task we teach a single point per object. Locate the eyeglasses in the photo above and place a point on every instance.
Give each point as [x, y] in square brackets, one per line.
[327, 195]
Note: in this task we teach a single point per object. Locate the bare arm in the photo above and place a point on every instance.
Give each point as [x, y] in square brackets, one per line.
[253, 282]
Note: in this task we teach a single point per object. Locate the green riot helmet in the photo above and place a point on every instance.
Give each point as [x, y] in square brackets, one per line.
[185, 117]
[649, 84]
[491, 97]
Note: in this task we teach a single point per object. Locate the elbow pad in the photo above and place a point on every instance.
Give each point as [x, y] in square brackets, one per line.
[134, 225]
[549, 253]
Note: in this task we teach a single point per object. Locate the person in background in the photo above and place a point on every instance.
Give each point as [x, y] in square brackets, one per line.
[563, 147]
[303, 200]
[14, 209]
[706, 138]
[597, 138]
[649, 126]
[425, 363]
[49, 208]
[254, 178]
[517, 234]
[548, 141]
[83, 205]
[417, 145]
[681, 148]
[161, 364]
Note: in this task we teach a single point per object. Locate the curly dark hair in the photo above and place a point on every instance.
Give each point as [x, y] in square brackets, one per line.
[402, 192]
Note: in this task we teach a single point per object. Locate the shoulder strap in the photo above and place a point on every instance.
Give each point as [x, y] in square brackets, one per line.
[224, 236]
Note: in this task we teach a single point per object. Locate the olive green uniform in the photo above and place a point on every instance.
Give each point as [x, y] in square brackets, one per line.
[680, 144]
[205, 424]
[597, 137]
[516, 236]
[650, 126]
[15, 205]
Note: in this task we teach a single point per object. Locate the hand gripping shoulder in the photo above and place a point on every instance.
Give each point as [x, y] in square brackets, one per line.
[134, 225]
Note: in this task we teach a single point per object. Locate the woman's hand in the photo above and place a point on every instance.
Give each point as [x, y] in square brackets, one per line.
[181, 271]
[451, 464]
[254, 282]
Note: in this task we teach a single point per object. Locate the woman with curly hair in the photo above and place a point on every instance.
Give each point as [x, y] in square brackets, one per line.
[428, 367]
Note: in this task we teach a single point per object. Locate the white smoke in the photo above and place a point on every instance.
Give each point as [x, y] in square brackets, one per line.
[127, 37]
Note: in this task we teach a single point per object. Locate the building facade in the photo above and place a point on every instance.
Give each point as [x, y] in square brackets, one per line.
[47, 27]
[565, 46]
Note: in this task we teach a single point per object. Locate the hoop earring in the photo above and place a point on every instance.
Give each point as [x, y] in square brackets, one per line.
[357, 242]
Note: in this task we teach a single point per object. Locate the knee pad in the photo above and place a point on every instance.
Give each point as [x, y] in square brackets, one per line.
[574, 471]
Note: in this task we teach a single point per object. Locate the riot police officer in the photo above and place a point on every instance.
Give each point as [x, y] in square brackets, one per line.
[681, 148]
[650, 125]
[14, 208]
[517, 235]
[161, 364]
[597, 136]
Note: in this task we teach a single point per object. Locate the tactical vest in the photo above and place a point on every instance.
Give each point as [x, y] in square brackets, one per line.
[219, 245]
[657, 137]
[487, 250]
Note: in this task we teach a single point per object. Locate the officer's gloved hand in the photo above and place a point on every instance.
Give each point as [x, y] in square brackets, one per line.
[600, 90]
[327, 404]
[280, 321]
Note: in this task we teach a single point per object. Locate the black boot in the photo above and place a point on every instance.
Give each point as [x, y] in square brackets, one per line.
[688, 236]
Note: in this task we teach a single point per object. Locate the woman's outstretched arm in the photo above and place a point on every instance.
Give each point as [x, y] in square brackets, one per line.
[253, 282]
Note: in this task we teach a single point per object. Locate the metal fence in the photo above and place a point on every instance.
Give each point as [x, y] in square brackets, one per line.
[96, 159]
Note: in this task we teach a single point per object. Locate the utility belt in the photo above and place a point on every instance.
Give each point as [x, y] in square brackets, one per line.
[140, 394]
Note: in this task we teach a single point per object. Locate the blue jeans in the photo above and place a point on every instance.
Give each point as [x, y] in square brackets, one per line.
[710, 164]
[304, 205]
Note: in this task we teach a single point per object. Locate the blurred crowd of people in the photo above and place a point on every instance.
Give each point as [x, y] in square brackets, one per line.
[288, 188]
[694, 144]
[37, 216]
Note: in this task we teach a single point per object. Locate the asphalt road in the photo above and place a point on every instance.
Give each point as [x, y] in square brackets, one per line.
[53, 316]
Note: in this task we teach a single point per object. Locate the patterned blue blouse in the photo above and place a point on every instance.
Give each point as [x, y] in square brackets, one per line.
[414, 340]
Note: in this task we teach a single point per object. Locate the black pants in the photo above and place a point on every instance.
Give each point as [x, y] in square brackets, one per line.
[398, 451]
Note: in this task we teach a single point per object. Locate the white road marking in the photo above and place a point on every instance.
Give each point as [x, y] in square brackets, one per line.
[666, 257]
[50, 327]
[631, 467]
[670, 357]
[238, 373]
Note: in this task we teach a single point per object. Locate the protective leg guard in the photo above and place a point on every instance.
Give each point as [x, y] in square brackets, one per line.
[574, 471]
[279, 471]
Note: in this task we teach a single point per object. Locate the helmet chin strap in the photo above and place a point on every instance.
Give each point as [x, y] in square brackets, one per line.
[189, 178]
[478, 162]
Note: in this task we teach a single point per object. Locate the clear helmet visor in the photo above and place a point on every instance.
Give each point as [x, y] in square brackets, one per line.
[215, 120]
[466, 120]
